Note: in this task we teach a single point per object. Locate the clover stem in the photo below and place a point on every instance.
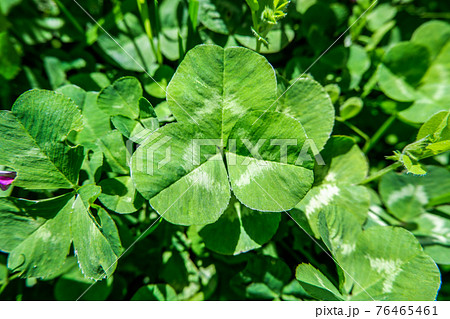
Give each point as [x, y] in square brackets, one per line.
[181, 50]
[434, 15]
[192, 36]
[143, 10]
[255, 20]
[355, 129]
[258, 45]
[256, 28]
[193, 13]
[379, 133]
[380, 173]
[157, 31]
[8, 280]
[3, 287]
[70, 17]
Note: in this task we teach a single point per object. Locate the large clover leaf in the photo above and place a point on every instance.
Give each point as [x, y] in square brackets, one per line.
[97, 246]
[32, 139]
[228, 133]
[38, 235]
[415, 202]
[28, 227]
[218, 86]
[417, 71]
[383, 263]
[407, 196]
[335, 183]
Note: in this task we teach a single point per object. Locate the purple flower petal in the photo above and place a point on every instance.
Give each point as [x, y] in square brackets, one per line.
[6, 179]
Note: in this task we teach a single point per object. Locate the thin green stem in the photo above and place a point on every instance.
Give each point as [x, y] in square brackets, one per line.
[260, 40]
[70, 17]
[7, 281]
[193, 13]
[435, 15]
[157, 30]
[256, 28]
[192, 36]
[255, 20]
[381, 173]
[143, 10]
[379, 133]
[355, 129]
[258, 45]
[181, 50]
[3, 287]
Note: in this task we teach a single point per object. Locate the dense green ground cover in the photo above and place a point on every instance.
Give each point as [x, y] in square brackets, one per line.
[104, 197]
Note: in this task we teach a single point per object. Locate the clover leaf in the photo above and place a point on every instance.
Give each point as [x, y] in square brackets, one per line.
[416, 71]
[433, 231]
[119, 195]
[130, 112]
[114, 152]
[28, 227]
[418, 203]
[228, 133]
[336, 184]
[38, 235]
[383, 263]
[406, 196]
[317, 284]
[222, 16]
[95, 122]
[243, 228]
[33, 140]
[96, 250]
[121, 98]
[128, 31]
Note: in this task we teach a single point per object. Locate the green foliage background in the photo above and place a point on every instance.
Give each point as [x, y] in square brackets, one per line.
[76, 87]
